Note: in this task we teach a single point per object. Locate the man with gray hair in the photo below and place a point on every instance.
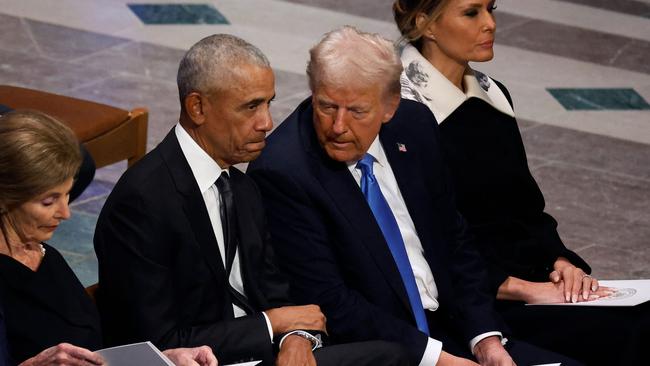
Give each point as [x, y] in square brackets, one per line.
[363, 217]
[183, 250]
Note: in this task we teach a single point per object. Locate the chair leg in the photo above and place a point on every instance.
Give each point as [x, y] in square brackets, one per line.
[140, 117]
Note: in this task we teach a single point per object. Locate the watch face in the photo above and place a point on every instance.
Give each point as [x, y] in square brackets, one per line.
[314, 339]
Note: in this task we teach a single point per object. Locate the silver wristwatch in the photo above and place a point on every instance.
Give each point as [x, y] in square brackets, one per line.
[316, 341]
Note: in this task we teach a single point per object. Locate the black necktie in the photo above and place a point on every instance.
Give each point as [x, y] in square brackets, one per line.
[227, 213]
[230, 237]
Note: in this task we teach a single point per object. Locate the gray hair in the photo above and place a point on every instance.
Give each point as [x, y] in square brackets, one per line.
[348, 55]
[207, 65]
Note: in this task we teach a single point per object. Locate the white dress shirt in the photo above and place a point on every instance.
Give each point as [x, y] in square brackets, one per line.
[421, 271]
[206, 172]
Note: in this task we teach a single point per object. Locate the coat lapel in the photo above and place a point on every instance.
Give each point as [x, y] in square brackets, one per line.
[193, 204]
[346, 195]
[403, 159]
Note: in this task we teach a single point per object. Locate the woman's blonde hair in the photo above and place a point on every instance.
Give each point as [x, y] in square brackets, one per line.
[406, 12]
[37, 152]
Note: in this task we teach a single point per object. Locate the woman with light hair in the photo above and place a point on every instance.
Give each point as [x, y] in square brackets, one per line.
[49, 319]
[495, 190]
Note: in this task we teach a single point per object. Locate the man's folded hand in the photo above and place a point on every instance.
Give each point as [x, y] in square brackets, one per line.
[490, 352]
[288, 318]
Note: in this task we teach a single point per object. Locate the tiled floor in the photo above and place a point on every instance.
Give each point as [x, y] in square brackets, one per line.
[556, 57]
[178, 14]
[599, 99]
[638, 8]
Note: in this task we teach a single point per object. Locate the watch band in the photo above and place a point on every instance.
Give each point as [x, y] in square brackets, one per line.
[315, 340]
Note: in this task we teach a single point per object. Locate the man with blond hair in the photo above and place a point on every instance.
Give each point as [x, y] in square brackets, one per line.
[363, 219]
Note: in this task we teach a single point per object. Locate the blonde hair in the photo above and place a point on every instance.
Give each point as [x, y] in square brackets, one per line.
[348, 55]
[37, 152]
[406, 12]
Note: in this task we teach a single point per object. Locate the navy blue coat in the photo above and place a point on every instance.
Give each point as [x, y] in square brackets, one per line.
[330, 245]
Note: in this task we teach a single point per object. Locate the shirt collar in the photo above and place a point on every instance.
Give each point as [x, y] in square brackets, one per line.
[439, 94]
[205, 169]
[376, 150]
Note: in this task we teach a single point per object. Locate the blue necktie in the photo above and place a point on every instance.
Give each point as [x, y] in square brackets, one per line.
[390, 229]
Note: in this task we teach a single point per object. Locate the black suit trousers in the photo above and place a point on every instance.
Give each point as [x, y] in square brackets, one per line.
[523, 353]
[375, 353]
[593, 335]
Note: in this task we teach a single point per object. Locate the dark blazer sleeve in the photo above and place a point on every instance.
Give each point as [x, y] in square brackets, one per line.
[473, 304]
[4, 347]
[545, 240]
[150, 289]
[303, 239]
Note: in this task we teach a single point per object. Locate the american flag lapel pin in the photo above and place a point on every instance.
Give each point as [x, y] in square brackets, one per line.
[401, 147]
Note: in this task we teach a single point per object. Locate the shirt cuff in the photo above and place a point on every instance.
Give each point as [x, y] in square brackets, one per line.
[268, 326]
[431, 353]
[481, 337]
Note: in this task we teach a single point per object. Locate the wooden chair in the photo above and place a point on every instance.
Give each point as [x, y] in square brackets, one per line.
[110, 134]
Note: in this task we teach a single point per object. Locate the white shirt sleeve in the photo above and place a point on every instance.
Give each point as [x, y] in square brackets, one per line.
[474, 341]
[431, 353]
[268, 326]
[434, 348]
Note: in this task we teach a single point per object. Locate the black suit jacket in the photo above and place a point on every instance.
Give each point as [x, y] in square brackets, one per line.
[160, 273]
[497, 194]
[327, 239]
[4, 348]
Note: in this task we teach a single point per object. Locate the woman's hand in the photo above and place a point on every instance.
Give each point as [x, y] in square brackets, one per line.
[65, 354]
[544, 293]
[198, 356]
[576, 281]
[516, 289]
